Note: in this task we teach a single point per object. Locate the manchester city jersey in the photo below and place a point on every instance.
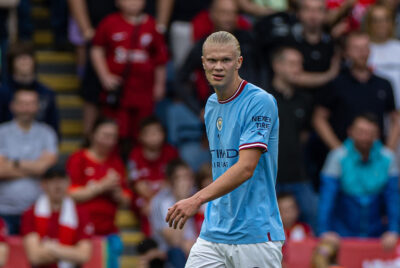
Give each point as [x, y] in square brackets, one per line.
[249, 214]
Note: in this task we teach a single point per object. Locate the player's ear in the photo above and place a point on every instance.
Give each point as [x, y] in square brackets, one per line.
[239, 62]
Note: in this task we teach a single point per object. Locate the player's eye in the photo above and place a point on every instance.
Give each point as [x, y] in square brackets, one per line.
[211, 60]
[226, 60]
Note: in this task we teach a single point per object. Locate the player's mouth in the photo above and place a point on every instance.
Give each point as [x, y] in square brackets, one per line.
[218, 77]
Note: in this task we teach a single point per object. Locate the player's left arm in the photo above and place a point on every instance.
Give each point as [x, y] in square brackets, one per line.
[227, 182]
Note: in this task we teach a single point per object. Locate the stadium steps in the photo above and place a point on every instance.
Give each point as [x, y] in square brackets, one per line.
[57, 70]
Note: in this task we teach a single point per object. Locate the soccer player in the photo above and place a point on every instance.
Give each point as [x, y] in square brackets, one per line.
[242, 226]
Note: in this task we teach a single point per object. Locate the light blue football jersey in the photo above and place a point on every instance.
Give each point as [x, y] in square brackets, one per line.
[249, 214]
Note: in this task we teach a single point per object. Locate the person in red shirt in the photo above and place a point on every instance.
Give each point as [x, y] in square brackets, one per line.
[98, 182]
[56, 232]
[3, 244]
[146, 167]
[129, 56]
[294, 229]
[222, 14]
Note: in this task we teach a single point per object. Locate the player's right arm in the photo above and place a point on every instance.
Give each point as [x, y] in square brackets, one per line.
[227, 182]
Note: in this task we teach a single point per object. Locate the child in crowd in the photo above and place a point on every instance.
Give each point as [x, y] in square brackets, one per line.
[129, 56]
[56, 231]
[146, 167]
[294, 230]
[98, 183]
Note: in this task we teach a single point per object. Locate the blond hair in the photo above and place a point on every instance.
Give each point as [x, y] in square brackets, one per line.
[222, 38]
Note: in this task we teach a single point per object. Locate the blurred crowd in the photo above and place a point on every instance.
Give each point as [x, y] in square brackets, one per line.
[333, 67]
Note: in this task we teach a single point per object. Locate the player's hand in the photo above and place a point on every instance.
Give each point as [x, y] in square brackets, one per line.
[389, 240]
[182, 211]
[110, 81]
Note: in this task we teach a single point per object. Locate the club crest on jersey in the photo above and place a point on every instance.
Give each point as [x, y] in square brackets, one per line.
[219, 123]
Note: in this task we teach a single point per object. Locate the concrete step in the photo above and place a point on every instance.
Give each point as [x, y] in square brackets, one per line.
[132, 238]
[126, 219]
[54, 57]
[43, 38]
[72, 128]
[69, 146]
[60, 82]
[40, 12]
[129, 261]
[69, 101]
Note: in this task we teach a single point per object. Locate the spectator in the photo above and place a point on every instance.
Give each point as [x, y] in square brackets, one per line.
[146, 166]
[56, 232]
[394, 7]
[385, 50]
[7, 8]
[88, 15]
[316, 45]
[21, 62]
[27, 149]
[294, 112]
[150, 255]
[221, 12]
[177, 243]
[289, 210]
[359, 179]
[3, 245]
[98, 183]
[262, 7]
[356, 90]
[129, 56]
[348, 12]
[325, 255]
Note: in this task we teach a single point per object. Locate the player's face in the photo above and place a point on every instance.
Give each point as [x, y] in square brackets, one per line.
[131, 7]
[221, 64]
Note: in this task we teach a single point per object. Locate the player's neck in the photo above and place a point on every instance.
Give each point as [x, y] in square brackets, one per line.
[224, 93]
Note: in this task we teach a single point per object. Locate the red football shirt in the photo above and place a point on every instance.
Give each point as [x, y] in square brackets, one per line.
[82, 171]
[3, 231]
[142, 45]
[84, 231]
[203, 25]
[357, 13]
[152, 171]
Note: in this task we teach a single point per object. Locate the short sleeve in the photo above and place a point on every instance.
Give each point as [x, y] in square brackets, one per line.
[75, 169]
[332, 167]
[28, 223]
[101, 37]
[3, 231]
[259, 120]
[51, 142]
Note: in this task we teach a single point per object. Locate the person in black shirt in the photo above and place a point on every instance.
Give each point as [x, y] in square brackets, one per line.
[356, 90]
[294, 116]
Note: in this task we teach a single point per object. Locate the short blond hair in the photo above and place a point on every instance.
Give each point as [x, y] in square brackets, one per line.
[222, 38]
